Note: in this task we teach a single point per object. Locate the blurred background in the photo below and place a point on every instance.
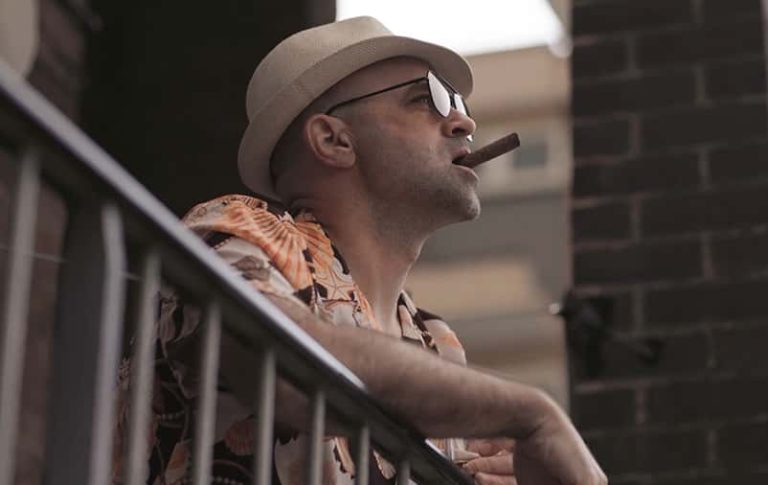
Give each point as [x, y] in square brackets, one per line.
[641, 188]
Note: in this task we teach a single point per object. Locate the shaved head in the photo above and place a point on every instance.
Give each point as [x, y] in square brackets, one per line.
[291, 149]
[391, 152]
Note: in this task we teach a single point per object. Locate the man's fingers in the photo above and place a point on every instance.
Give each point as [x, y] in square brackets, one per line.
[497, 465]
[531, 472]
[489, 447]
[575, 467]
[488, 479]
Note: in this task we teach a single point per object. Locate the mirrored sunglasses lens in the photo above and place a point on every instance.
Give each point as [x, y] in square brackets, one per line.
[458, 102]
[440, 95]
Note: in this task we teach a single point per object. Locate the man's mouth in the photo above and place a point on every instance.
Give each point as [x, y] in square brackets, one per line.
[459, 160]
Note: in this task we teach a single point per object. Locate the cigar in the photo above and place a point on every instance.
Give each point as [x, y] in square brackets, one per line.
[490, 151]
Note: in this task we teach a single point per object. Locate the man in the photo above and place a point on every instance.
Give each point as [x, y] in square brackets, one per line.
[354, 131]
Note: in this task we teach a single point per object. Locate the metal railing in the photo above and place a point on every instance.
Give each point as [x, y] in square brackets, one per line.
[108, 209]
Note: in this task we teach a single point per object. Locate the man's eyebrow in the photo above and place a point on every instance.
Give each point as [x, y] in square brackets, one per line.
[420, 85]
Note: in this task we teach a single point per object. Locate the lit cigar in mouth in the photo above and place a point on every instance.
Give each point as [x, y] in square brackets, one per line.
[490, 151]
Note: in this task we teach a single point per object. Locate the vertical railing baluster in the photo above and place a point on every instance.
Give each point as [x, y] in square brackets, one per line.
[264, 420]
[142, 362]
[362, 452]
[404, 472]
[16, 307]
[317, 432]
[86, 348]
[205, 419]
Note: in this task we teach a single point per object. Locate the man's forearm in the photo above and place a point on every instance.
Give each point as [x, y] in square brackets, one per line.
[441, 398]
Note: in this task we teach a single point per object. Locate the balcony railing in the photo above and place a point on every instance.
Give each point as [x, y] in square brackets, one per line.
[109, 211]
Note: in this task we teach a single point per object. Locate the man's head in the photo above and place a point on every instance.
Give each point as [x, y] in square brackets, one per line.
[394, 145]
[393, 150]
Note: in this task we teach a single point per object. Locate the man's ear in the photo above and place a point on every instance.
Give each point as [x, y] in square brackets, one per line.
[330, 140]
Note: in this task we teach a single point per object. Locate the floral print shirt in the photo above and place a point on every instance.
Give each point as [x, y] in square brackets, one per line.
[280, 254]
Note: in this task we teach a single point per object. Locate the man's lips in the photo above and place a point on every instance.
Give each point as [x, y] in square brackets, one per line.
[458, 158]
[468, 170]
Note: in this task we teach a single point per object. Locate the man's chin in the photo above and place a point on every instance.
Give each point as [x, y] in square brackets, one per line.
[475, 210]
[470, 208]
[446, 208]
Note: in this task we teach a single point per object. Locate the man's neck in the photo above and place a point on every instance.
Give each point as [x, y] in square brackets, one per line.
[379, 253]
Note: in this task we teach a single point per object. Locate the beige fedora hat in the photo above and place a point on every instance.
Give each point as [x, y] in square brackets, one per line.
[308, 63]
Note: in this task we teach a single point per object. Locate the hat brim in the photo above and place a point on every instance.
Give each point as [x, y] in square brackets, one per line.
[268, 124]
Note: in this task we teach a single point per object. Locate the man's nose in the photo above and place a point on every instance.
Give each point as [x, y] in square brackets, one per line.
[457, 124]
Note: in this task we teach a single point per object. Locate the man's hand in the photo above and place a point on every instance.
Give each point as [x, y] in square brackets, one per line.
[494, 463]
[554, 453]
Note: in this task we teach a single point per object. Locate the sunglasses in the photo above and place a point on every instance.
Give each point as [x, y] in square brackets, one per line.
[443, 97]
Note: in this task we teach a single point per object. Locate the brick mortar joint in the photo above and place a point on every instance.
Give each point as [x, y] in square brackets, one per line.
[688, 475]
[625, 244]
[592, 388]
[652, 430]
[680, 283]
[674, 150]
[707, 259]
[640, 116]
[587, 387]
[650, 73]
[717, 236]
[647, 71]
[680, 26]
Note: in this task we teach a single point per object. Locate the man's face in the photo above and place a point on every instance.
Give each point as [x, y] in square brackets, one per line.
[405, 149]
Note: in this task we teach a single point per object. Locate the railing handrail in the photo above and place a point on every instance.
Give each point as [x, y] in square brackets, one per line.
[50, 126]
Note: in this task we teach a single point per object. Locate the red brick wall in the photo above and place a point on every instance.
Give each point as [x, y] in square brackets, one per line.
[670, 221]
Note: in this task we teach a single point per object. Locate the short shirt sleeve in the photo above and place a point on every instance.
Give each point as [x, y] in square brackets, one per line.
[265, 247]
[445, 339]
[253, 264]
[178, 325]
